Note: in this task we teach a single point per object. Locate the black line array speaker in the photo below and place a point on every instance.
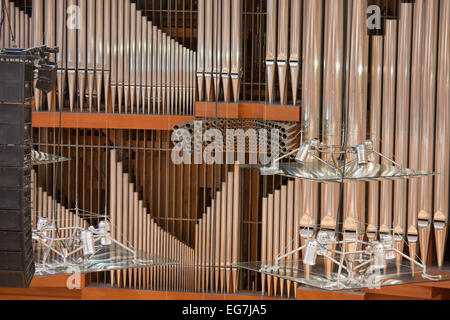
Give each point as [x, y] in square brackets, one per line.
[16, 249]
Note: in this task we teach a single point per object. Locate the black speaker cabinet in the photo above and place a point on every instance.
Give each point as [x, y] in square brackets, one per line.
[15, 124]
[17, 279]
[15, 156]
[15, 241]
[16, 261]
[15, 199]
[15, 178]
[15, 220]
[16, 81]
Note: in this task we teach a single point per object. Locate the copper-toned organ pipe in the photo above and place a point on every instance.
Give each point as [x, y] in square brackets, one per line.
[217, 240]
[112, 199]
[38, 35]
[22, 29]
[428, 123]
[208, 246]
[132, 58]
[119, 206]
[375, 130]
[283, 219]
[271, 46]
[312, 79]
[50, 41]
[295, 48]
[388, 120]
[264, 235]
[283, 44]
[12, 23]
[131, 224]
[2, 31]
[442, 134]
[236, 223]
[135, 229]
[125, 217]
[402, 121]
[99, 52]
[223, 241]
[61, 9]
[276, 233]
[332, 99]
[354, 193]
[415, 120]
[229, 230]
[290, 225]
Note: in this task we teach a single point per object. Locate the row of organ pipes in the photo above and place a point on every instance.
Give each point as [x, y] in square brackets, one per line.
[133, 225]
[112, 59]
[217, 241]
[16, 30]
[409, 85]
[219, 53]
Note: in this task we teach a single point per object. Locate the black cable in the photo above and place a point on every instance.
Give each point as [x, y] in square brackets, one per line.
[2, 17]
[9, 23]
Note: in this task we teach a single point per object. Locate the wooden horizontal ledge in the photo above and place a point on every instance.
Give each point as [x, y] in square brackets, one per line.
[248, 111]
[106, 121]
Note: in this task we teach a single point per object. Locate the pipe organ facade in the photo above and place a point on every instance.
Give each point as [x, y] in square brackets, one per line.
[130, 74]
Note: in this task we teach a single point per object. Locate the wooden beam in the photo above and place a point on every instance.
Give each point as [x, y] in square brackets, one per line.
[106, 121]
[259, 111]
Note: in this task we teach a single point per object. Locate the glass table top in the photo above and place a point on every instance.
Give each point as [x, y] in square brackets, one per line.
[316, 276]
[320, 172]
[106, 258]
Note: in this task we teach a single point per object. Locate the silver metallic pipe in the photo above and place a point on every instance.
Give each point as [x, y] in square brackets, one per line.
[2, 31]
[172, 77]
[127, 53]
[159, 71]
[226, 49]
[91, 46]
[208, 48]
[236, 47]
[22, 28]
[133, 45]
[138, 61]
[155, 53]
[441, 189]
[121, 53]
[201, 48]
[150, 52]
[114, 52]
[312, 79]
[388, 120]
[402, 122]
[428, 124]
[176, 55]
[145, 43]
[82, 52]
[358, 43]
[415, 120]
[283, 44]
[163, 73]
[217, 47]
[50, 39]
[296, 42]
[332, 99]
[271, 46]
[107, 51]
[375, 131]
[99, 52]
